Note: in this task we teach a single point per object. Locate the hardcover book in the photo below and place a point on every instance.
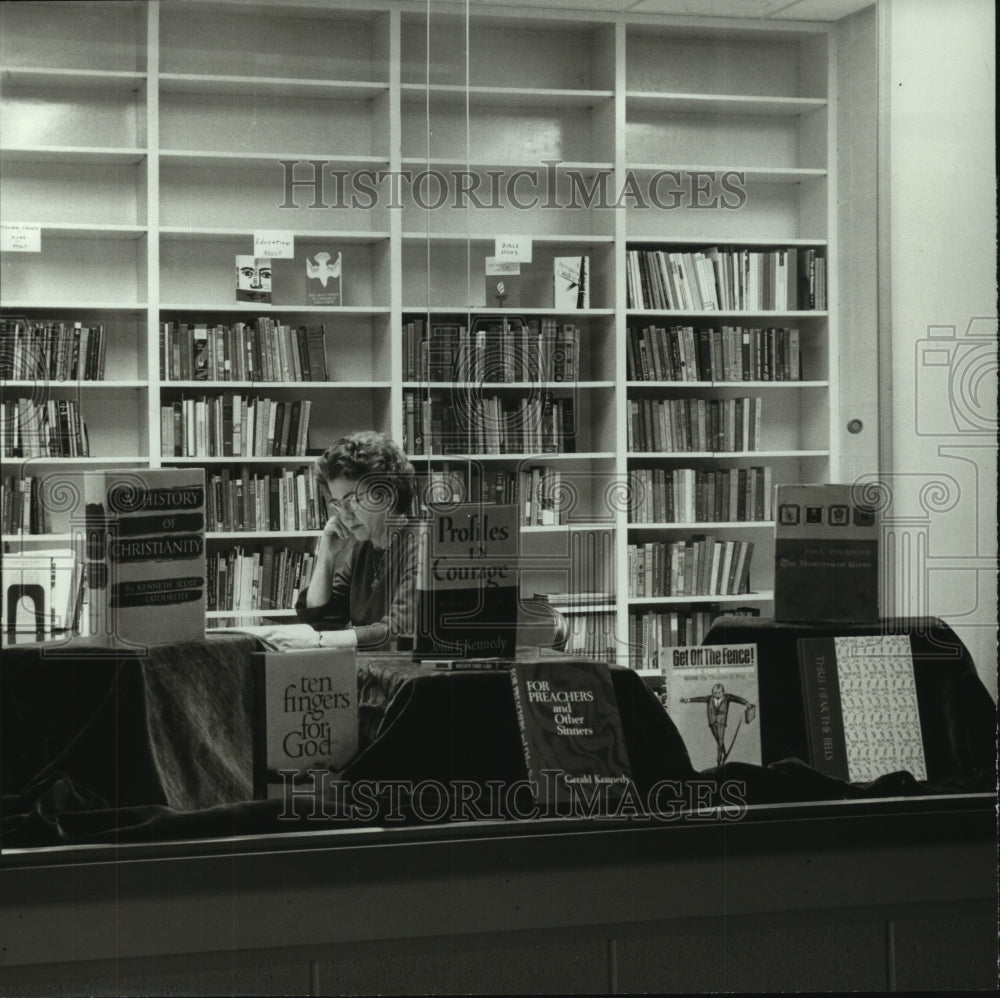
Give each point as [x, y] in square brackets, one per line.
[253, 279]
[571, 276]
[710, 693]
[40, 595]
[144, 539]
[574, 746]
[503, 283]
[306, 711]
[468, 587]
[861, 706]
[825, 555]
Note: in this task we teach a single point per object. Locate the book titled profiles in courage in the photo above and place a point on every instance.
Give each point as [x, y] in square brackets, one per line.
[306, 711]
[145, 557]
[468, 584]
[571, 730]
[825, 555]
[861, 706]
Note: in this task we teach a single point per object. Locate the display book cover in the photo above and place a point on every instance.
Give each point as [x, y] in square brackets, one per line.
[711, 695]
[503, 283]
[861, 706]
[825, 555]
[309, 279]
[144, 543]
[571, 282]
[571, 730]
[306, 715]
[467, 589]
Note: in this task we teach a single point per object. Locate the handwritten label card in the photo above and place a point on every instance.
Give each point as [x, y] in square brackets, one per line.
[274, 245]
[18, 238]
[513, 249]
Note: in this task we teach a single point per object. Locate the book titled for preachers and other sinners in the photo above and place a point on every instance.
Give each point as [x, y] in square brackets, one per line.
[825, 555]
[710, 693]
[574, 745]
[861, 706]
[306, 710]
[503, 283]
[145, 556]
[571, 280]
[468, 584]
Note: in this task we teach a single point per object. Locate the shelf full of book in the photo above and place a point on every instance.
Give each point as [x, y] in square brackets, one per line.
[681, 168]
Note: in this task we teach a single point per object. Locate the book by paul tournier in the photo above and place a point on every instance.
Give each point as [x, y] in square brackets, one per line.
[825, 555]
[145, 556]
[468, 584]
[306, 709]
[710, 693]
[574, 745]
[861, 706]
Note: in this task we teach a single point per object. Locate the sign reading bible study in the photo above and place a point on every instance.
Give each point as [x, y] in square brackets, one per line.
[467, 594]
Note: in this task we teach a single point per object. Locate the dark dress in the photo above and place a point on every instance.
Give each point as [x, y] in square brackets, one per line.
[373, 591]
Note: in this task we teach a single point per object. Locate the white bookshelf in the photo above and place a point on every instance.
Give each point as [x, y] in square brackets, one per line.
[146, 141]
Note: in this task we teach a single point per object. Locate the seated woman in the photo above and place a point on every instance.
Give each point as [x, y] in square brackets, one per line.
[367, 561]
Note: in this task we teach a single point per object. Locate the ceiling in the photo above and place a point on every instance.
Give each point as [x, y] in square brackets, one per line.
[808, 10]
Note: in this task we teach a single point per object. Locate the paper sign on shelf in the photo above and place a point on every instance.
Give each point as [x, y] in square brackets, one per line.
[274, 245]
[18, 238]
[513, 249]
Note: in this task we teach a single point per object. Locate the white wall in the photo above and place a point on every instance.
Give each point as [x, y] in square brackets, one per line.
[940, 186]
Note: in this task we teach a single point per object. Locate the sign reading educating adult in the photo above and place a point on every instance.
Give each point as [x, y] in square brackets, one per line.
[468, 589]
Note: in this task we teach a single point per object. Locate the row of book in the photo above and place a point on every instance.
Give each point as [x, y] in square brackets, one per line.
[51, 351]
[23, 507]
[538, 490]
[690, 495]
[494, 351]
[652, 630]
[729, 353]
[697, 566]
[694, 425]
[711, 279]
[267, 350]
[268, 579]
[283, 500]
[43, 429]
[436, 423]
[592, 635]
[234, 426]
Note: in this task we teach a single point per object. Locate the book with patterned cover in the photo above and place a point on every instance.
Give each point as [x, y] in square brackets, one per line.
[861, 706]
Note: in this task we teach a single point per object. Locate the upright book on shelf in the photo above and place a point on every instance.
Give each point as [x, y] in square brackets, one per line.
[468, 586]
[711, 695]
[571, 731]
[571, 282]
[306, 713]
[861, 706]
[825, 555]
[40, 595]
[144, 538]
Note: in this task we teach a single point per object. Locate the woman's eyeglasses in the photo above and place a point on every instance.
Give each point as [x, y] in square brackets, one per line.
[349, 501]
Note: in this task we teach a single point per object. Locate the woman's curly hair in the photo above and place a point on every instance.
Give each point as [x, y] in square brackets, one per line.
[377, 461]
